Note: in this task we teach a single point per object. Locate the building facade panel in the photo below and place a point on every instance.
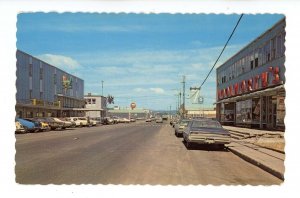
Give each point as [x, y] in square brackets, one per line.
[44, 90]
[250, 85]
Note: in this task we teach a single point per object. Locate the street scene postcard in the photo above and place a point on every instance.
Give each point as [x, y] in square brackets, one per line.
[141, 98]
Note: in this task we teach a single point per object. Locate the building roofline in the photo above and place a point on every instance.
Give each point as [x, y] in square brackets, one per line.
[253, 41]
[48, 64]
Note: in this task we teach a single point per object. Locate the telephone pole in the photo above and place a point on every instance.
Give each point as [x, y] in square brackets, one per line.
[102, 86]
[183, 95]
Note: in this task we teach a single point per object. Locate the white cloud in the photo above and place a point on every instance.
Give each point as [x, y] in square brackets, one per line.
[157, 90]
[62, 62]
[140, 90]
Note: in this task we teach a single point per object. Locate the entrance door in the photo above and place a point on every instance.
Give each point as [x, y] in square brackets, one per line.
[272, 112]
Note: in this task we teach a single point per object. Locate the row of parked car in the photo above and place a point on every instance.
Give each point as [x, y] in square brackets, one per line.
[39, 124]
[201, 131]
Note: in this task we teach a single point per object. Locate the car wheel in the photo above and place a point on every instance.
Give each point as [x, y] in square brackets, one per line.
[188, 145]
[176, 134]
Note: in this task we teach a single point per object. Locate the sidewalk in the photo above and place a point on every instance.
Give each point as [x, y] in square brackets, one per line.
[255, 146]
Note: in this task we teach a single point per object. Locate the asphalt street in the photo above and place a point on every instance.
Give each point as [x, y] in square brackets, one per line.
[135, 153]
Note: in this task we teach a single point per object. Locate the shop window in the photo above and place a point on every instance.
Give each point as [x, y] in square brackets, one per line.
[256, 110]
[244, 111]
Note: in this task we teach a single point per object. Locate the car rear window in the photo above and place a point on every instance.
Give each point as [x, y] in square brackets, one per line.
[206, 124]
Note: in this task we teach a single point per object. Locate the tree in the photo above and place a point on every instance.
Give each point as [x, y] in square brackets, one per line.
[110, 99]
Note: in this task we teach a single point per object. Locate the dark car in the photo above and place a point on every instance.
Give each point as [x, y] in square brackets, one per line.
[205, 131]
[36, 123]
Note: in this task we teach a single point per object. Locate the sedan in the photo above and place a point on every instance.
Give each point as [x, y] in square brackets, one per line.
[205, 131]
[180, 127]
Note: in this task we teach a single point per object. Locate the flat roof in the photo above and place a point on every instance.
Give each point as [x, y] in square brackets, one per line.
[257, 38]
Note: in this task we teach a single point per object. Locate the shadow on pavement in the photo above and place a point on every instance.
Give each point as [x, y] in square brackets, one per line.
[206, 147]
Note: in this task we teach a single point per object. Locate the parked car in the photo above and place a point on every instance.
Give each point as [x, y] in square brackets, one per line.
[77, 122]
[28, 125]
[124, 120]
[19, 127]
[97, 121]
[116, 119]
[42, 126]
[65, 123]
[68, 122]
[108, 120]
[180, 127]
[132, 120]
[159, 120]
[148, 120]
[51, 122]
[84, 121]
[205, 131]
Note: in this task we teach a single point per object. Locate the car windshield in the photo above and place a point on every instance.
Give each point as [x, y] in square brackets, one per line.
[184, 123]
[206, 124]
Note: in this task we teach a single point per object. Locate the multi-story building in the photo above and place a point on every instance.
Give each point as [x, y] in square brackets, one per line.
[45, 90]
[95, 106]
[250, 85]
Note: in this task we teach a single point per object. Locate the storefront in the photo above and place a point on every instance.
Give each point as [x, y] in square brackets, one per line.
[264, 109]
[250, 85]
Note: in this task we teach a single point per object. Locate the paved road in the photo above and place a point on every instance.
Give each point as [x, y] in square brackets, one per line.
[135, 153]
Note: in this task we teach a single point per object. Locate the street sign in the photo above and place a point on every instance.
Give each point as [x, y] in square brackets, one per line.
[133, 105]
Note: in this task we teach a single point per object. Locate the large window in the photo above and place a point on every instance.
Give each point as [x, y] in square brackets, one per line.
[244, 111]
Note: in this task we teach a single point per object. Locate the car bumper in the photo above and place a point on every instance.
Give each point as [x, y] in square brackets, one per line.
[209, 139]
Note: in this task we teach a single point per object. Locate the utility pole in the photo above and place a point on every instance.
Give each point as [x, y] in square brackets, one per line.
[183, 95]
[102, 86]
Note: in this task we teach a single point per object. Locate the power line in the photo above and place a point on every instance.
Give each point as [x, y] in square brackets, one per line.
[222, 50]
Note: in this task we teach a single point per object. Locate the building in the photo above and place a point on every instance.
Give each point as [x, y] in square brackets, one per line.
[250, 85]
[95, 106]
[45, 90]
[138, 113]
[205, 113]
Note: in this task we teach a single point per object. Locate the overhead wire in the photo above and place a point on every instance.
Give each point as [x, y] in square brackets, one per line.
[222, 50]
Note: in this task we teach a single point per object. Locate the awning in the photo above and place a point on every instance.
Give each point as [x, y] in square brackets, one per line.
[264, 92]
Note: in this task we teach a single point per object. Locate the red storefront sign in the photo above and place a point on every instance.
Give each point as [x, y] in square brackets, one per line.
[251, 83]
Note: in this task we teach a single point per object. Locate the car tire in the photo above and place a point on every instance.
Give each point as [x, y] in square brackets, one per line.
[188, 145]
[176, 134]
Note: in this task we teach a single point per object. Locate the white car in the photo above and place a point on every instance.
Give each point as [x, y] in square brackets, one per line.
[159, 120]
[78, 122]
[124, 120]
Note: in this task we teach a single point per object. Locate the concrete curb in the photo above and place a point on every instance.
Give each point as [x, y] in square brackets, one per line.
[257, 163]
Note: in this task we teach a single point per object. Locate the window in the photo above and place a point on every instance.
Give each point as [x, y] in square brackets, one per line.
[41, 72]
[279, 47]
[30, 94]
[273, 48]
[93, 101]
[30, 69]
[41, 95]
[54, 78]
[256, 62]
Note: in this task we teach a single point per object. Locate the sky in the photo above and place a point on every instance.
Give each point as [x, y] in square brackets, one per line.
[140, 58]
